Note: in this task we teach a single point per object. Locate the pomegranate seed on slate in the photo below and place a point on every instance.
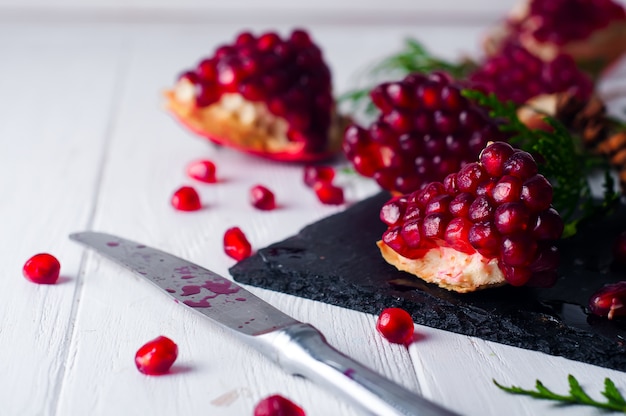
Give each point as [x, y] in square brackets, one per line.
[396, 325]
[277, 405]
[619, 249]
[186, 198]
[202, 170]
[328, 193]
[156, 356]
[262, 198]
[609, 301]
[236, 245]
[42, 268]
[314, 173]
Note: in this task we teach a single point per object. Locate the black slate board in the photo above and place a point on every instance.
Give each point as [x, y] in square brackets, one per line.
[336, 261]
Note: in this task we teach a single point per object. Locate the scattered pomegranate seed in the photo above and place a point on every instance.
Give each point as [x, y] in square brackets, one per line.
[313, 174]
[262, 198]
[609, 301]
[619, 249]
[328, 193]
[202, 170]
[396, 325]
[186, 198]
[277, 405]
[156, 356]
[236, 245]
[42, 268]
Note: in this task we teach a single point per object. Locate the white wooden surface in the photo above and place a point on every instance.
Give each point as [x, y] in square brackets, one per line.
[87, 145]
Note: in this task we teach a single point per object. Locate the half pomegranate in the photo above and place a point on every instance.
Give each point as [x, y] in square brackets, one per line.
[263, 95]
[489, 224]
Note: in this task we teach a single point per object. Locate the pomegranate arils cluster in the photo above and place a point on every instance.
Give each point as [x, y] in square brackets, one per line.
[157, 356]
[517, 75]
[264, 94]
[488, 224]
[426, 130]
[320, 178]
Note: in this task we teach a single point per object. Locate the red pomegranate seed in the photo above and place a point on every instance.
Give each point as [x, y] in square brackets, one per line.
[609, 301]
[619, 249]
[42, 268]
[186, 198]
[328, 193]
[202, 170]
[277, 405]
[396, 325]
[236, 245]
[157, 356]
[313, 174]
[262, 198]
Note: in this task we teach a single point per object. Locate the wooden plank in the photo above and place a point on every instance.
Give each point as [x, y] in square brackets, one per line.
[53, 119]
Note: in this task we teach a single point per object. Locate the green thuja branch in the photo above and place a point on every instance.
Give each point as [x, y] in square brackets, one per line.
[614, 399]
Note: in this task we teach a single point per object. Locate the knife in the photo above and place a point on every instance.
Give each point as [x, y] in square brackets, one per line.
[298, 348]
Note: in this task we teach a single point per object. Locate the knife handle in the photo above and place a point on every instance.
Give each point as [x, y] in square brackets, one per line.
[302, 350]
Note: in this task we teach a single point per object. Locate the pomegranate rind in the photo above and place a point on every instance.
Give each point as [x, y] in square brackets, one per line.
[449, 268]
[225, 129]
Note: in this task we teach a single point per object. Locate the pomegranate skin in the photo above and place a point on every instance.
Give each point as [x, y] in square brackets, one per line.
[264, 95]
[483, 228]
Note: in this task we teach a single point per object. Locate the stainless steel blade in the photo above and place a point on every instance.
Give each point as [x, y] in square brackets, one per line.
[203, 290]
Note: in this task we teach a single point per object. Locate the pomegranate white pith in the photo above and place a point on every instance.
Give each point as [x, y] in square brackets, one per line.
[449, 268]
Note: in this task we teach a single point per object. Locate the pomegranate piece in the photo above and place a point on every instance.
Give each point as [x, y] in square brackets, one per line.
[277, 405]
[262, 198]
[42, 268]
[426, 130]
[315, 173]
[265, 95]
[515, 74]
[593, 32]
[396, 325]
[157, 356]
[236, 244]
[186, 198]
[609, 301]
[465, 234]
[202, 170]
[329, 194]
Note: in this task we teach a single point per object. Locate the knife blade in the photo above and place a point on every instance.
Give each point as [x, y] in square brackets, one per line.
[297, 347]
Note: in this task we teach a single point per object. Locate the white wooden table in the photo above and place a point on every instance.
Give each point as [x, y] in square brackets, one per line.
[86, 144]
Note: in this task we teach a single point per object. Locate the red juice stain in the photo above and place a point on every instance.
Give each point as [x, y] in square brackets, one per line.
[240, 299]
[170, 290]
[113, 244]
[191, 290]
[187, 276]
[199, 304]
